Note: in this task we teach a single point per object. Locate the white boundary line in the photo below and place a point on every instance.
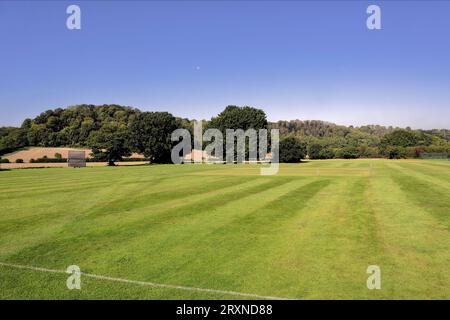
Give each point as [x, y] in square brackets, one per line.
[144, 283]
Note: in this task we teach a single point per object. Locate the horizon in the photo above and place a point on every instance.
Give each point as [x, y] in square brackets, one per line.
[294, 60]
[208, 119]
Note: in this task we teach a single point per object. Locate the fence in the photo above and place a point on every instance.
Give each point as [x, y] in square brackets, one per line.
[435, 155]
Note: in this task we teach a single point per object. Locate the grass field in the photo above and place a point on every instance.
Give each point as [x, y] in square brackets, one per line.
[309, 232]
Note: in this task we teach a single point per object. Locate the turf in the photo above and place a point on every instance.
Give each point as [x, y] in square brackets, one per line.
[309, 232]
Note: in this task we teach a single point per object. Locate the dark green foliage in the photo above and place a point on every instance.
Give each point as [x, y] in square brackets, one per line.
[292, 150]
[326, 140]
[78, 126]
[19, 160]
[4, 160]
[12, 139]
[150, 134]
[234, 117]
[108, 127]
[347, 153]
[327, 153]
[406, 143]
[72, 126]
[368, 152]
[395, 152]
[48, 160]
[110, 143]
[314, 128]
[406, 138]
[314, 151]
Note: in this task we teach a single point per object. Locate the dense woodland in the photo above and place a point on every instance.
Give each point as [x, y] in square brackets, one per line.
[114, 131]
[326, 140]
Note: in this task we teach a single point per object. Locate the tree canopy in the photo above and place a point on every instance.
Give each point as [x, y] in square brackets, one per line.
[113, 131]
[110, 144]
[150, 134]
[292, 150]
[234, 117]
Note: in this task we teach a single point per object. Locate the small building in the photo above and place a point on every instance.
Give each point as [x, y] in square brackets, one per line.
[200, 155]
[203, 155]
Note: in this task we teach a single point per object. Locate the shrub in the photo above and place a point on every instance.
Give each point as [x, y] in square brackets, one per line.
[4, 160]
[44, 159]
[350, 153]
[365, 151]
[326, 153]
[19, 160]
[396, 152]
[58, 155]
[314, 151]
[371, 152]
[292, 150]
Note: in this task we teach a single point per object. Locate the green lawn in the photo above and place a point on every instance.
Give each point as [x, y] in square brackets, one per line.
[309, 232]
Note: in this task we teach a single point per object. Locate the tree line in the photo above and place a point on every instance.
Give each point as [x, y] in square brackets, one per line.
[114, 132]
[326, 140]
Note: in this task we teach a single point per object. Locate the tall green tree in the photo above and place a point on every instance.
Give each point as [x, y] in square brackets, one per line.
[150, 134]
[234, 117]
[110, 144]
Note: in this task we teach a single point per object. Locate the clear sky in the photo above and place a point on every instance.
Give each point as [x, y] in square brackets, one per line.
[294, 59]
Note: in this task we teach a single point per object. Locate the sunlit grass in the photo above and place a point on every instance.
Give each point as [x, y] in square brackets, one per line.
[308, 232]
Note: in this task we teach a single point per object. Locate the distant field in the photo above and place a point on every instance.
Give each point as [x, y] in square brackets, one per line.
[309, 232]
[39, 152]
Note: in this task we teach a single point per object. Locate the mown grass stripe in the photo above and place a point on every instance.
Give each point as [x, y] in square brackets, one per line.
[145, 283]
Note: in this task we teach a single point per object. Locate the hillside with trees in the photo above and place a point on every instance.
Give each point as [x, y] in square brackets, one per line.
[327, 140]
[115, 131]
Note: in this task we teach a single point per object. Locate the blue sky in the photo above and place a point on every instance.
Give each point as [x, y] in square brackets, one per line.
[294, 59]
